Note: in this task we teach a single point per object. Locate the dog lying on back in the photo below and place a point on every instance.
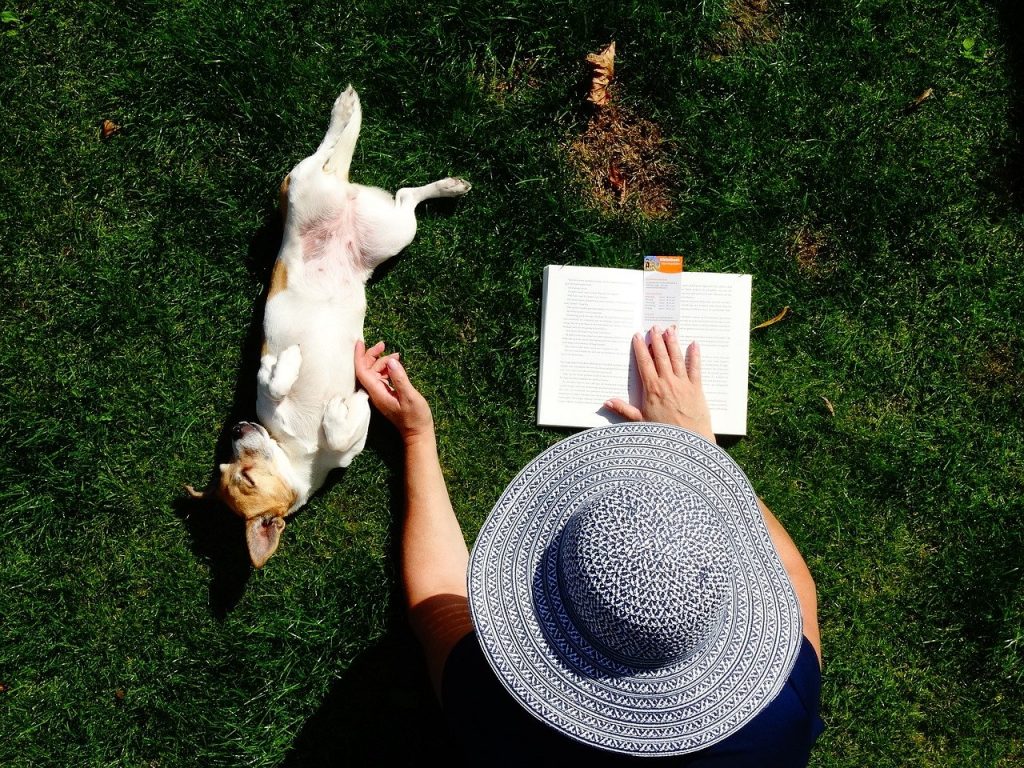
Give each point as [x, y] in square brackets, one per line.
[314, 419]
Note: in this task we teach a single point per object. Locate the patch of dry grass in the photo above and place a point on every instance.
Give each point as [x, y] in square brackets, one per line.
[623, 163]
[814, 252]
[748, 21]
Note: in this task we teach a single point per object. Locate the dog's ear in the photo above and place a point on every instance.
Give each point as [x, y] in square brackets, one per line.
[208, 493]
[263, 534]
[212, 489]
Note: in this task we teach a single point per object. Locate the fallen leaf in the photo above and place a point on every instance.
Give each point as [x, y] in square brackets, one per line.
[828, 404]
[926, 94]
[778, 318]
[119, 694]
[108, 128]
[617, 180]
[3, 687]
[602, 67]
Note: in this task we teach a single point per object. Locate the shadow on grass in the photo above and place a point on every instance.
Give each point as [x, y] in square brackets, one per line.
[1011, 18]
[383, 710]
[218, 536]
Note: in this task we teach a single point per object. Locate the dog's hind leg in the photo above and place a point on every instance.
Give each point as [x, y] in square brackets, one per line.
[410, 197]
[339, 142]
[387, 225]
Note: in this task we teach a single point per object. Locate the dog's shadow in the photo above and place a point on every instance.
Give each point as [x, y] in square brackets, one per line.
[218, 536]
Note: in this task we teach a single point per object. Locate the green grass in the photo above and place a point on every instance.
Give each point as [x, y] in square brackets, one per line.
[131, 271]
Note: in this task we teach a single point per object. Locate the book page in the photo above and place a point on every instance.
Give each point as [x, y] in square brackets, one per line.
[589, 317]
[715, 311]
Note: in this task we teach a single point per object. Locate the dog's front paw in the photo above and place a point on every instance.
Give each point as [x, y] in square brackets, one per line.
[454, 187]
[278, 374]
[267, 363]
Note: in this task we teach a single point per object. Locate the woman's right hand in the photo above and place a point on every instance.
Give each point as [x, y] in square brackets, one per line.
[391, 392]
[672, 390]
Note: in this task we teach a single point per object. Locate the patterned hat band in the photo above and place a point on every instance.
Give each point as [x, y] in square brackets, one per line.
[646, 574]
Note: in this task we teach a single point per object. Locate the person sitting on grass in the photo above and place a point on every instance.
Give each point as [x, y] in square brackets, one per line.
[629, 595]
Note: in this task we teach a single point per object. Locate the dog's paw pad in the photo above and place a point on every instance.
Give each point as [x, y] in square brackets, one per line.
[345, 106]
[455, 186]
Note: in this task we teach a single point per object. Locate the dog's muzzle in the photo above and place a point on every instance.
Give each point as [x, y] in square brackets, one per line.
[250, 438]
[242, 429]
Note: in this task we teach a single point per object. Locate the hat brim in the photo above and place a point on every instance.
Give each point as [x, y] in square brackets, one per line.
[558, 676]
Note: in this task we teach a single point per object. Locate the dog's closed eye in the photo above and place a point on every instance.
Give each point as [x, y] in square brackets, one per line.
[249, 480]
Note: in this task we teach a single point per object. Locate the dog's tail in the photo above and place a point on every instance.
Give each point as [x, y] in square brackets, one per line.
[340, 142]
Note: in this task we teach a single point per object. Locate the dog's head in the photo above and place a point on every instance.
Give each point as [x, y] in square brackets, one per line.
[255, 486]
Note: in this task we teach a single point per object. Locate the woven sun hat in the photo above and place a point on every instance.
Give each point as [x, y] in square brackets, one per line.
[626, 592]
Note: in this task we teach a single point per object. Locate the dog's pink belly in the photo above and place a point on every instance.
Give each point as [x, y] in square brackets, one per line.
[330, 244]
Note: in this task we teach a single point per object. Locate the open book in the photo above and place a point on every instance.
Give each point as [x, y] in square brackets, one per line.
[589, 316]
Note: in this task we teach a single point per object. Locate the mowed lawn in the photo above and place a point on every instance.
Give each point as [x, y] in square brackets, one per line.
[862, 160]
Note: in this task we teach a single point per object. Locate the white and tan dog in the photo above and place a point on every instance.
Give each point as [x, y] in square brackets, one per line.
[314, 417]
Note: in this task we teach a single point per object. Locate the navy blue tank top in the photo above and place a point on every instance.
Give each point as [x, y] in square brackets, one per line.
[494, 730]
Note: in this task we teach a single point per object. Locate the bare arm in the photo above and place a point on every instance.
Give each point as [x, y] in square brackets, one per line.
[799, 575]
[434, 555]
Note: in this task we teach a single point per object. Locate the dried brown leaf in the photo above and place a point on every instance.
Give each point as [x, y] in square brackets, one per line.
[108, 128]
[777, 319]
[926, 94]
[602, 66]
[828, 404]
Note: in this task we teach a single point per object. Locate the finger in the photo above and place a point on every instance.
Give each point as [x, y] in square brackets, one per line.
[675, 354]
[399, 378]
[624, 409]
[364, 355]
[377, 388]
[659, 353]
[693, 362]
[381, 363]
[365, 373]
[360, 356]
[644, 362]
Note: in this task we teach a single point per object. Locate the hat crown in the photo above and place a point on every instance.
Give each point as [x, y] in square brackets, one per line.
[645, 572]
